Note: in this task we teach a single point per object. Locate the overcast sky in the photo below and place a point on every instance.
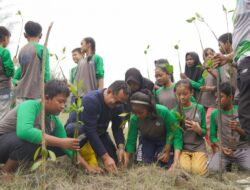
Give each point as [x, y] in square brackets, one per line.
[123, 28]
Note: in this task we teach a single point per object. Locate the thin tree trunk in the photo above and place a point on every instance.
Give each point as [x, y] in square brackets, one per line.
[43, 105]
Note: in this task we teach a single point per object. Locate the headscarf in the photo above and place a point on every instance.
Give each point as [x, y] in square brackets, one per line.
[194, 73]
[134, 75]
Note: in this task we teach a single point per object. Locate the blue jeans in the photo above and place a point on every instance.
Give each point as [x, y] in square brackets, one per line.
[150, 150]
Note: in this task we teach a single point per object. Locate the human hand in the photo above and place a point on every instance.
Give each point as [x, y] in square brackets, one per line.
[219, 60]
[70, 143]
[164, 155]
[109, 164]
[234, 125]
[125, 162]
[215, 147]
[227, 151]
[15, 61]
[192, 125]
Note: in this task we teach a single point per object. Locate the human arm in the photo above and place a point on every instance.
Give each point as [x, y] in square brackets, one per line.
[131, 139]
[17, 76]
[199, 128]
[8, 65]
[220, 59]
[235, 126]
[47, 64]
[99, 71]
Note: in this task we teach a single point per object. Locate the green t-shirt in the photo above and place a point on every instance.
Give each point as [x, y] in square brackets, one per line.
[27, 114]
[8, 66]
[169, 122]
[73, 72]
[17, 76]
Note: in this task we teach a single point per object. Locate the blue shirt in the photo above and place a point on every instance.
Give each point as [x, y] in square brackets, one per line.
[96, 117]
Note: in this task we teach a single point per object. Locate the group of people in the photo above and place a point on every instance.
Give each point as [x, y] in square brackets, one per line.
[169, 123]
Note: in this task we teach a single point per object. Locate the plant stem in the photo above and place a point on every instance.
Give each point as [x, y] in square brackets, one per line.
[19, 39]
[74, 156]
[219, 126]
[179, 60]
[197, 29]
[43, 105]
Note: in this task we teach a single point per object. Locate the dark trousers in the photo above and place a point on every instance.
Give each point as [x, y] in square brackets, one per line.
[13, 148]
[105, 138]
[151, 149]
[243, 81]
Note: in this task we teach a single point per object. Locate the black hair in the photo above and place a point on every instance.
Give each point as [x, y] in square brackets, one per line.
[160, 63]
[205, 54]
[185, 82]
[120, 85]
[55, 87]
[194, 73]
[224, 38]
[78, 50]
[91, 41]
[145, 96]
[227, 89]
[33, 29]
[4, 32]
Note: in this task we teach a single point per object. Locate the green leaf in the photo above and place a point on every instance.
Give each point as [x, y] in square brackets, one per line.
[80, 122]
[36, 165]
[19, 13]
[210, 63]
[169, 68]
[52, 155]
[145, 52]
[231, 11]
[51, 54]
[38, 152]
[80, 84]
[178, 115]
[56, 57]
[64, 50]
[80, 109]
[190, 20]
[79, 102]
[123, 114]
[73, 89]
[176, 46]
[204, 74]
[224, 8]
[45, 153]
[148, 46]
[199, 66]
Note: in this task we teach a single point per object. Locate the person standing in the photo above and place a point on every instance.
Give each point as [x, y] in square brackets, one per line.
[241, 56]
[6, 72]
[90, 69]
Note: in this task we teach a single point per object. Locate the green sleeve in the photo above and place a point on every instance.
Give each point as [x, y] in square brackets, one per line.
[8, 65]
[27, 113]
[99, 67]
[178, 139]
[132, 135]
[47, 65]
[61, 133]
[192, 99]
[17, 76]
[197, 85]
[71, 80]
[213, 126]
[203, 119]
[73, 72]
[170, 123]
